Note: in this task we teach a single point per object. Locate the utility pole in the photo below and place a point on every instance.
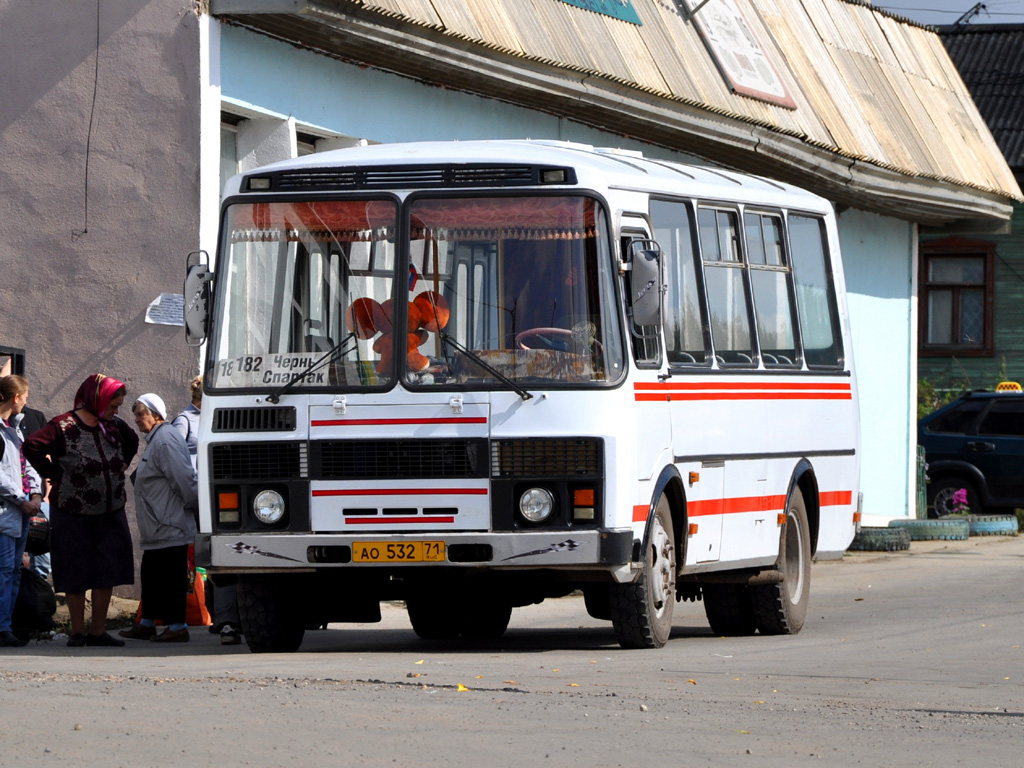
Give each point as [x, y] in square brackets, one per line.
[965, 18]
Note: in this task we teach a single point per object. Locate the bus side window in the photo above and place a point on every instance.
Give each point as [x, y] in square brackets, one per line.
[771, 285]
[685, 340]
[726, 285]
[646, 346]
[815, 293]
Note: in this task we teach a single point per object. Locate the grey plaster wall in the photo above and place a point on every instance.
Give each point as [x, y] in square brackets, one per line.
[99, 173]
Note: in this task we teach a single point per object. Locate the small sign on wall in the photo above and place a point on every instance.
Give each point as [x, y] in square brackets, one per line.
[622, 10]
[737, 51]
[166, 309]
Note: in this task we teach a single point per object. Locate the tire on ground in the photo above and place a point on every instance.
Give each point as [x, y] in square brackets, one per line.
[945, 528]
[992, 525]
[878, 539]
[641, 611]
[268, 612]
[780, 609]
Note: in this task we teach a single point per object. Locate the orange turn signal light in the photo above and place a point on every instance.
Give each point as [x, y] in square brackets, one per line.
[583, 497]
[227, 500]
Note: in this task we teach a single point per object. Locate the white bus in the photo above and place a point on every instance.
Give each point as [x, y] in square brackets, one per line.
[471, 376]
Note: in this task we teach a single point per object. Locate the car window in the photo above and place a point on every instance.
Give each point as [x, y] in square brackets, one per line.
[1006, 417]
[957, 420]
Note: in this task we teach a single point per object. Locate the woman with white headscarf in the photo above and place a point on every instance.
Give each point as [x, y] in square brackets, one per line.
[166, 504]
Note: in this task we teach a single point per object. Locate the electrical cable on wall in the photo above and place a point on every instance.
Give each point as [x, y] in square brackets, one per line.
[77, 233]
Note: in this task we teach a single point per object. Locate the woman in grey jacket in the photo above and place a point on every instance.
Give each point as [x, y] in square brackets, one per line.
[166, 505]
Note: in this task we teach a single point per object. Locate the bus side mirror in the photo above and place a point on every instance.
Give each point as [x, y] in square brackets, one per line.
[198, 280]
[645, 286]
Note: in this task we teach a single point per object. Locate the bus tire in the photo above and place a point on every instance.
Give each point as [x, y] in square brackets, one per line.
[486, 620]
[433, 615]
[641, 611]
[780, 609]
[267, 612]
[728, 609]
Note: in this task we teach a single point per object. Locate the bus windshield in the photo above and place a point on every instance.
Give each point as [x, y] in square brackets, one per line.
[494, 292]
[517, 288]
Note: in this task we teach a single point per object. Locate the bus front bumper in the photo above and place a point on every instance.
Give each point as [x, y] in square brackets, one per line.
[248, 552]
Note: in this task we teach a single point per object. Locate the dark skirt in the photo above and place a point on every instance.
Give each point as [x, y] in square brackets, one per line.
[90, 551]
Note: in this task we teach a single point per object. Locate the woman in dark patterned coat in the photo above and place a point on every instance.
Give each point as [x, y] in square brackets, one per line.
[84, 454]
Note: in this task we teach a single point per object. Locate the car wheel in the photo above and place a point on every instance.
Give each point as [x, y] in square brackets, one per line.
[942, 491]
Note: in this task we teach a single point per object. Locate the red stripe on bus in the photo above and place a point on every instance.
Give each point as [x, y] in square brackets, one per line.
[401, 492]
[395, 422]
[834, 498]
[666, 396]
[640, 513]
[666, 387]
[396, 520]
[735, 506]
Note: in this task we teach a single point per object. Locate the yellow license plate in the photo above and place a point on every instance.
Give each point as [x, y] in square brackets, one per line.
[398, 552]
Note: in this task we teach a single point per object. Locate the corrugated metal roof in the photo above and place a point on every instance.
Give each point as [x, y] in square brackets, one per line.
[990, 61]
[869, 87]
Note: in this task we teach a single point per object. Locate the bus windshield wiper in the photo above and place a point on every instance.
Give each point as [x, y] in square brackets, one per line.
[334, 353]
[446, 340]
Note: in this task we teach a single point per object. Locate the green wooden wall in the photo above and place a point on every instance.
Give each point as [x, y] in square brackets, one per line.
[1008, 361]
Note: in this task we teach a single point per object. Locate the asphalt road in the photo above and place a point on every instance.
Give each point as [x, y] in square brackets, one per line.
[907, 659]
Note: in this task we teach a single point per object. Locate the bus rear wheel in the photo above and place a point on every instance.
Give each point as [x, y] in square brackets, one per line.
[267, 612]
[780, 609]
[641, 611]
[729, 610]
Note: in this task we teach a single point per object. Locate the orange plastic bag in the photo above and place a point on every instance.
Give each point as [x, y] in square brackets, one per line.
[196, 614]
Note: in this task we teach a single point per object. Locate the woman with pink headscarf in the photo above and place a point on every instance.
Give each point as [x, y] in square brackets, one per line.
[84, 454]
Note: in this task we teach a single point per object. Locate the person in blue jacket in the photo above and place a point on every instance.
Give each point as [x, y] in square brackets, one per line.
[20, 499]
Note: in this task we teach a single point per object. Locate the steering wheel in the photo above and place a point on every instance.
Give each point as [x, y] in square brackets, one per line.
[558, 339]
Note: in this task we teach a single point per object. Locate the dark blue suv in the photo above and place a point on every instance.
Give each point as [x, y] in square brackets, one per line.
[976, 443]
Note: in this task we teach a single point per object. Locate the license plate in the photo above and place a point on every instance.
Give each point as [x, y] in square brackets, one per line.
[398, 552]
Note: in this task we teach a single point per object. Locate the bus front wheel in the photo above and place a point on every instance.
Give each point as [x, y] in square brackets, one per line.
[641, 611]
[780, 609]
[267, 612]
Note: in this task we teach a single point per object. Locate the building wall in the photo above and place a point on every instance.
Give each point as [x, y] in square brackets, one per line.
[98, 206]
[266, 76]
[1007, 362]
[879, 266]
[260, 76]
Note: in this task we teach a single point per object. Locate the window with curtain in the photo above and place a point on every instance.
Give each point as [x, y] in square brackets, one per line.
[956, 297]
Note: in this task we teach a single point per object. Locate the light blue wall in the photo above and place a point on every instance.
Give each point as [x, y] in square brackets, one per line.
[877, 260]
[365, 103]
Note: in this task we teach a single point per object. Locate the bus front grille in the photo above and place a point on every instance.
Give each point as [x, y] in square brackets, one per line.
[281, 419]
[393, 459]
[547, 457]
[258, 461]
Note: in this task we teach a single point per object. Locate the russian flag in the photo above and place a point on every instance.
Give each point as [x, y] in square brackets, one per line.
[413, 276]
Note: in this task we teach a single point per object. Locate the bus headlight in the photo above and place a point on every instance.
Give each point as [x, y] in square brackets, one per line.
[536, 504]
[268, 506]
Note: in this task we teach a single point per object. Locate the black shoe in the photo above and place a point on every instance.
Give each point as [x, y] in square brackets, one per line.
[104, 640]
[10, 640]
[77, 640]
